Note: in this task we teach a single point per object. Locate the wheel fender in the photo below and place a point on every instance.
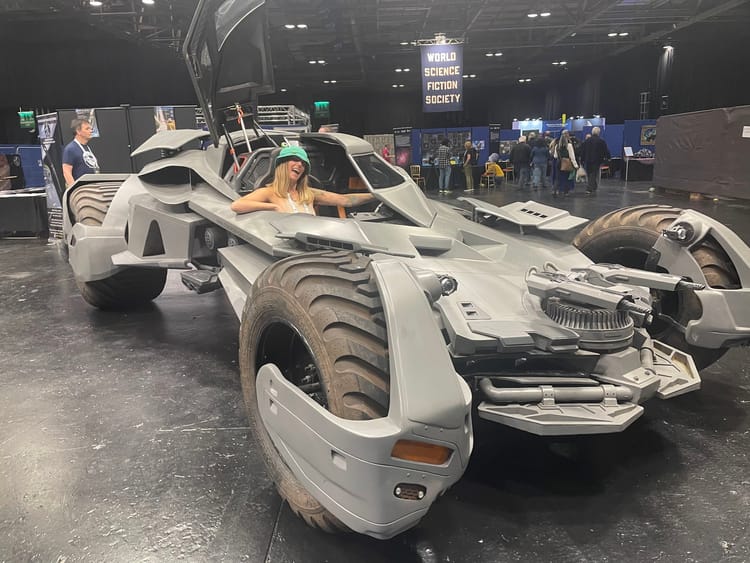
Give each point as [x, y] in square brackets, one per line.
[91, 249]
[346, 464]
[726, 312]
[677, 259]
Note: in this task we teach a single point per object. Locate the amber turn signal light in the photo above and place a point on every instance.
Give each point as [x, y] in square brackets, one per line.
[422, 452]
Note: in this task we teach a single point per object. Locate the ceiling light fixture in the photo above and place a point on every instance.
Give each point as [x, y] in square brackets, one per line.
[148, 2]
[532, 15]
[545, 14]
[668, 47]
[562, 63]
[301, 26]
[95, 3]
[489, 54]
[289, 25]
[623, 34]
[555, 63]
[283, 90]
[612, 34]
[573, 34]
[404, 43]
[321, 62]
[312, 62]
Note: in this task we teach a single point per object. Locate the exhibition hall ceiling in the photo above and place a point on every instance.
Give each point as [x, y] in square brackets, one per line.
[364, 43]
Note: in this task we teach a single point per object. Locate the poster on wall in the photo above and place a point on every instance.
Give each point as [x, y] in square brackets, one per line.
[457, 140]
[430, 143]
[402, 146]
[90, 116]
[47, 125]
[164, 118]
[648, 134]
[442, 78]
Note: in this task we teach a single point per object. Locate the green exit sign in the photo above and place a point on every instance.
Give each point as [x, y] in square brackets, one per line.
[26, 119]
[322, 109]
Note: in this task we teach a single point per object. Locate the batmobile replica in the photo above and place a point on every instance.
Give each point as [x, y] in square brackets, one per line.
[369, 343]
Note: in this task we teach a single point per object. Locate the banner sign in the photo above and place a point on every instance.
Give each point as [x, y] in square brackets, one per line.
[442, 78]
[402, 136]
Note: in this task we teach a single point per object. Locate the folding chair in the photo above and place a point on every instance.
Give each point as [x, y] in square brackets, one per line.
[488, 176]
[415, 171]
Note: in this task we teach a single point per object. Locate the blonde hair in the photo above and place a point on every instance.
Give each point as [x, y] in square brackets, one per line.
[280, 185]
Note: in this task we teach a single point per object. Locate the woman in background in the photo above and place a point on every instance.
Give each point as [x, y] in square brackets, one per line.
[469, 160]
[565, 163]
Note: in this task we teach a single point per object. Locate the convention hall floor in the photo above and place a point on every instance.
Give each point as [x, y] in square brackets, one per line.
[123, 438]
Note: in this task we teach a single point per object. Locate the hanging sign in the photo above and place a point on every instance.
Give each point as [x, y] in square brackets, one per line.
[442, 78]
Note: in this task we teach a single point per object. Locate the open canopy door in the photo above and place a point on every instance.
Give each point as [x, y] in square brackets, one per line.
[228, 57]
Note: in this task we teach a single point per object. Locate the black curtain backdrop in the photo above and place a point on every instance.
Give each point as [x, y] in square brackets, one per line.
[93, 69]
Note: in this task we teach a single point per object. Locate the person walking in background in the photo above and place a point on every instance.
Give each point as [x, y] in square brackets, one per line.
[520, 156]
[469, 160]
[443, 161]
[566, 164]
[78, 158]
[593, 153]
[539, 157]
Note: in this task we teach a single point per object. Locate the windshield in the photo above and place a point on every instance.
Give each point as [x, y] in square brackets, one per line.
[378, 173]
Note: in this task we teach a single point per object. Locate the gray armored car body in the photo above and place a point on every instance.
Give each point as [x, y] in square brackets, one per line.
[368, 343]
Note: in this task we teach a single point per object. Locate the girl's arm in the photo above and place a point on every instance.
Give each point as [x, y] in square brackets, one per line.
[258, 200]
[323, 197]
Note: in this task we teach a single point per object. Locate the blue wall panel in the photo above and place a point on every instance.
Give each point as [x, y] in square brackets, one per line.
[612, 135]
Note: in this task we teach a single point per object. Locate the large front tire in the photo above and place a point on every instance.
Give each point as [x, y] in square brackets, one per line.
[129, 287]
[319, 319]
[626, 236]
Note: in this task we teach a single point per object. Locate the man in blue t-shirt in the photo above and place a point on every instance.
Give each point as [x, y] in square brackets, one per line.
[78, 158]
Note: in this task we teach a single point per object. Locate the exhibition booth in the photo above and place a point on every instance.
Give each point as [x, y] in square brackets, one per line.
[631, 144]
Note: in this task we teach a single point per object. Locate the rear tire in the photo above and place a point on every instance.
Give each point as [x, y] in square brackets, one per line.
[128, 288]
[319, 319]
[626, 236]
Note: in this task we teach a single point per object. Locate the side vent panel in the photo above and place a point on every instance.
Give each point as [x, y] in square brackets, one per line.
[154, 245]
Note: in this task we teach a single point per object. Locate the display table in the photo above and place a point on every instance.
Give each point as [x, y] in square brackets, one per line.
[23, 214]
[639, 169]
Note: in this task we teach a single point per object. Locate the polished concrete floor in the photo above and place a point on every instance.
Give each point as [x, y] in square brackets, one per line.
[123, 438]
